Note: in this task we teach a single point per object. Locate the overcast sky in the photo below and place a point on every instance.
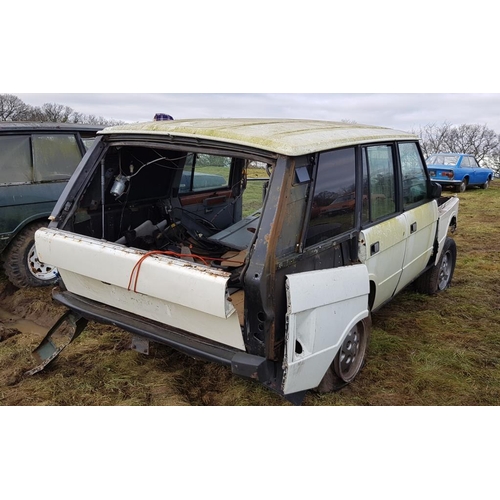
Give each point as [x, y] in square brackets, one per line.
[401, 111]
[210, 47]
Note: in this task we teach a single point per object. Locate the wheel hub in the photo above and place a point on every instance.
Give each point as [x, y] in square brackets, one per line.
[38, 269]
[445, 272]
[349, 359]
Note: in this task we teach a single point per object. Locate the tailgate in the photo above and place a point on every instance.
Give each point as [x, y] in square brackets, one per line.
[174, 292]
[448, 214]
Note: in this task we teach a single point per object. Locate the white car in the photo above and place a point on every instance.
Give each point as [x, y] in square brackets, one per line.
[283, 295]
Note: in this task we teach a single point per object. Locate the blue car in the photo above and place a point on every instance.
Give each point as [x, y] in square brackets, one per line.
[458, 171]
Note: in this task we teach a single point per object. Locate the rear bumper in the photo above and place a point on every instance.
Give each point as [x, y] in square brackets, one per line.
[242, 364]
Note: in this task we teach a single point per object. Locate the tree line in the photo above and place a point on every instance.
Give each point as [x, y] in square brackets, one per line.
[14, 109]
[478, 140]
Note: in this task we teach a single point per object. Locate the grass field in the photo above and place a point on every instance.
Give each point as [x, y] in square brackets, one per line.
[425, 351]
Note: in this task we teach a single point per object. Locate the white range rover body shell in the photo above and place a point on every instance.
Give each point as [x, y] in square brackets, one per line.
[321, 306]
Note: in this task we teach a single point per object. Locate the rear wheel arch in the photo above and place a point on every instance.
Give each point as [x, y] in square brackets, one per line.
[439, 277]
[486, 185]
[462, 187]
[350, 360]
[453, 225]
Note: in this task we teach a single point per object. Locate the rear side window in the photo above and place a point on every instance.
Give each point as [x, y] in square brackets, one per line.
[15, 160]
[55, 157]
[473, 162]
[379, 197]
[414, 177]
[205, 173]
[465, 162]
[88, 142]
[334, 200]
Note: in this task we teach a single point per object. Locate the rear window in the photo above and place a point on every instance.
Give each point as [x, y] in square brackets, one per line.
[446, 160]
[55, 157]
[205, 173]
[15, 160]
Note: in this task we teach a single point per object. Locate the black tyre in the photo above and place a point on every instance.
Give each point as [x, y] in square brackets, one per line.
[438, 278]
[486, 185]
[463, 186]
[350, 359]
[22, 266]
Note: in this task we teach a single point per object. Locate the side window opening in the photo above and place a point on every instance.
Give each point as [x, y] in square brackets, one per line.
[379, 197]
[334, 199]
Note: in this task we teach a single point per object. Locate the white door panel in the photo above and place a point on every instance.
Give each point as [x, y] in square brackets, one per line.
[382, 249]
[421, 229]
[323, 307]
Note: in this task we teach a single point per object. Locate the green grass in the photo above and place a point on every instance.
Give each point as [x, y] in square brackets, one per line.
[425, 351]
[254, 193]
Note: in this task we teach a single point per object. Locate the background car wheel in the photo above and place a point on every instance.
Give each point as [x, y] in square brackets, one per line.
[22, 265]
[463, 187]
[350, 359]
[438, 278]
[486, 185]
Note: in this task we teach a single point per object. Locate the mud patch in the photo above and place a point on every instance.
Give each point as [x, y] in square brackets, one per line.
[10, 322]
[7, 333]
[33, 309]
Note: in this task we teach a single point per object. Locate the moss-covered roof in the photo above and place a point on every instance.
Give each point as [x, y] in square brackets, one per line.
[285, 137]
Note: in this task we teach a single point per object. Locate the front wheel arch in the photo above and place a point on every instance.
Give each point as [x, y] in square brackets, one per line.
[21, 263]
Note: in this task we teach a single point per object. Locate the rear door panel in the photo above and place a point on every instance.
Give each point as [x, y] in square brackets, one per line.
[323, 306]
[382, 249]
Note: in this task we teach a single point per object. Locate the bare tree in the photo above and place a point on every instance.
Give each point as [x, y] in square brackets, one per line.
[477, 140]
[11, 108]
[33, 114]
[52, 112]
[94, 120]
[434, 138]
[14, 109]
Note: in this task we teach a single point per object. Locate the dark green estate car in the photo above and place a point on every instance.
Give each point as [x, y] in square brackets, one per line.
[36, 162]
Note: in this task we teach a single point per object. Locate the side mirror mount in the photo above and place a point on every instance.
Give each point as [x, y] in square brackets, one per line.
[436, 190]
